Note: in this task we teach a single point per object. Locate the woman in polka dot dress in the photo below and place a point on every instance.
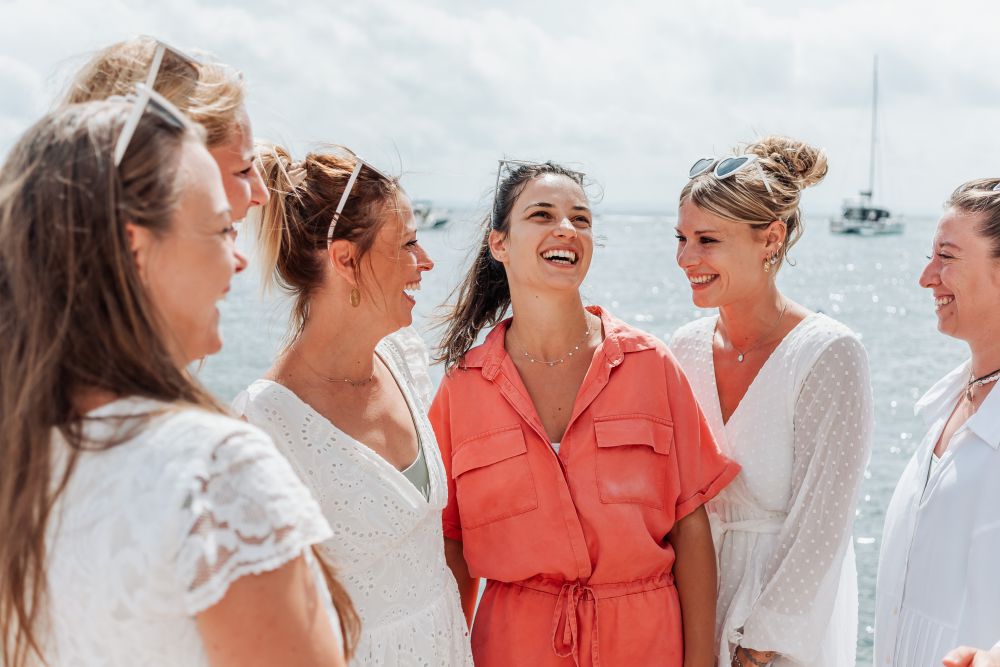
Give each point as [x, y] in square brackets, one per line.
[787, 394]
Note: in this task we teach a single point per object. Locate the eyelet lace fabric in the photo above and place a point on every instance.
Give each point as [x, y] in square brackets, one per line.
[153, 531]
[387, 545]
[802, 434]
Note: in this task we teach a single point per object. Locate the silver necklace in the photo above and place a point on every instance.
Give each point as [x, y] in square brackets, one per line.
[556, 362]
[740, 354]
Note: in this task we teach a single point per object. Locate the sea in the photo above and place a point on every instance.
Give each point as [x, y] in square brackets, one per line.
[868, 283]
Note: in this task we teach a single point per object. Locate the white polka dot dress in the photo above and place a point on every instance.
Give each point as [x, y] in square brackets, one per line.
[802, 433]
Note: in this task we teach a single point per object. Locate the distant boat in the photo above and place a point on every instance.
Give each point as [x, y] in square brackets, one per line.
[429, 217]
[859, 215]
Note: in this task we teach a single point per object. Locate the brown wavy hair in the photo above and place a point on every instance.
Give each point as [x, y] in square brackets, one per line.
[213, 100]
[790, 166]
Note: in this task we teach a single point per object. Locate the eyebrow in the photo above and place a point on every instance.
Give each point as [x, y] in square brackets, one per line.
[545, 204]
[948, 244]
[700, 231]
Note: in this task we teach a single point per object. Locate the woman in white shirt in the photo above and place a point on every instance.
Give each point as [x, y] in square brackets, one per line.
[346, 399]
[786, 392]
[138, 524]
[938, 579]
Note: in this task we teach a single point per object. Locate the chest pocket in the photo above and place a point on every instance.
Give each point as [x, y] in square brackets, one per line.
[493, 479]
[633, 460]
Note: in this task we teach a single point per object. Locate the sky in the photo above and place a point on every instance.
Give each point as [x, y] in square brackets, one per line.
[631, 93]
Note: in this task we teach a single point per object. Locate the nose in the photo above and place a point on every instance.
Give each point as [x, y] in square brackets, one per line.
[424, 261]
[565, 228]
[241, 261]
[259, 195]
[929, 276]
[686, 255]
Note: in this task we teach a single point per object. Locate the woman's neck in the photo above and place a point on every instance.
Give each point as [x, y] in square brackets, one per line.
[549, 326]
[747, 320]
[985, 355]
[337, 340]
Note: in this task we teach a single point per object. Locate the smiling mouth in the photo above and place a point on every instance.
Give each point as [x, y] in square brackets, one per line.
[941, 301]
[411, 287]
[698, 281]
[564, 257]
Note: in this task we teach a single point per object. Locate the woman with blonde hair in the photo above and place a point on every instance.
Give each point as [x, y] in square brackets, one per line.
[938, 581]
[787, 394]
[344, 401]
[139, 524]
[209, 93]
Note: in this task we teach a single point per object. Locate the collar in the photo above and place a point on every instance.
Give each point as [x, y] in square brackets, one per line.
[939, 401]
[619, 340]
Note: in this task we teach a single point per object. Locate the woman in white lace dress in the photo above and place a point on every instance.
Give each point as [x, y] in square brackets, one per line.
[133, 512]
[787, 394]
[346, 399]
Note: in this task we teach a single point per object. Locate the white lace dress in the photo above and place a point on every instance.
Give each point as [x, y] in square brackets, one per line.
[151, 532]
[387, 545]
[783, 527]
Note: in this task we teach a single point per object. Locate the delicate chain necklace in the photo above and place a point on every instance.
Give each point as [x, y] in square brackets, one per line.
[556, 362]
[740, 354]
[353, 383]
[980, 382]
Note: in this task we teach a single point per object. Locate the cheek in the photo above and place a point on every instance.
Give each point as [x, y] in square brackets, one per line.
[237, 193]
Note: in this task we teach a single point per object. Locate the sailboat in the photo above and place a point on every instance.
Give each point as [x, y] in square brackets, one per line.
[859, 215]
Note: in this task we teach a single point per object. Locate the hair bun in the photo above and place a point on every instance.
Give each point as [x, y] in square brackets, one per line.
[796, 160]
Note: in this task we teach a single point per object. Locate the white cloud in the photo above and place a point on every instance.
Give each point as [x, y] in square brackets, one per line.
[632, 93]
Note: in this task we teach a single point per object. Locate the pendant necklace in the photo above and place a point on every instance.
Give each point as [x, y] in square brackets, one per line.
[979, 382]
[740, 354]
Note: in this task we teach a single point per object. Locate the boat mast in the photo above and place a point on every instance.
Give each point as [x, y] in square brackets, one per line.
[871, 159]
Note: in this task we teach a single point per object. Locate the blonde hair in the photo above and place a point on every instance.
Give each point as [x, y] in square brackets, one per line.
[292, 227]
[978, 197]
[789, 165]
[213, 101]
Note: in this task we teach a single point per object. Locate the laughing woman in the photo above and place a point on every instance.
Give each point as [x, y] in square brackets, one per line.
[787, 394]
[938, 581]
[578, 461]
[342, 400]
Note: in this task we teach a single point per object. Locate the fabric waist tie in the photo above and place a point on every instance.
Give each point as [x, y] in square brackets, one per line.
[763, 526]
[569, 595]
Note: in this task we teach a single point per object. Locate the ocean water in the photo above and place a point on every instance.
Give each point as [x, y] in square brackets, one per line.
[870, 284]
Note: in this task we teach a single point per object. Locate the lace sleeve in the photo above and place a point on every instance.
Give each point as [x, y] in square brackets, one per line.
[414, 352]
[833, 434]
[247, 513]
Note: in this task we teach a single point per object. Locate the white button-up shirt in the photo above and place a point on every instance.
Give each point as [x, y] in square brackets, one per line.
[939, 568]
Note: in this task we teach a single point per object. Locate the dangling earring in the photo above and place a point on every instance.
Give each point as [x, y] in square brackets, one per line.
[767, 265]
[355, 297]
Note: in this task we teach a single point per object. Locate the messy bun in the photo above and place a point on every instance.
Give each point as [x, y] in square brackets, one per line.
[789, 165]
[793, 160]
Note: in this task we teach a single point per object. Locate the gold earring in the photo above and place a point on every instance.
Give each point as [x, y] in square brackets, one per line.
[355, 297]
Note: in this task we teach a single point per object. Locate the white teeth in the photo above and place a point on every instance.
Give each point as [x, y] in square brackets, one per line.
[701, 280]
[411, 287]
[943, 300]
[568, 255]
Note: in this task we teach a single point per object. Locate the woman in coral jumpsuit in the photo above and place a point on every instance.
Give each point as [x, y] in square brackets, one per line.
[578, 460]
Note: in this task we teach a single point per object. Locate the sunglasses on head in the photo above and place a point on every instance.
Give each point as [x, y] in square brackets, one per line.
[726, 167]
[511, 165]
[146, 92]
[145, 98]
[358, 165]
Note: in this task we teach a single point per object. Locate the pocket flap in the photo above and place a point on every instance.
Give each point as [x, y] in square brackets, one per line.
[634, 430]
[487, 449]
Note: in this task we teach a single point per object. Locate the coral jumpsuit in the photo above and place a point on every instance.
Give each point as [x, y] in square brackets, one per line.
[573, 544]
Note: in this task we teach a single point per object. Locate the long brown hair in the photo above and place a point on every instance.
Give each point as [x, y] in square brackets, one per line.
[790, 166]
[483, 296]
[73, 317]
[292, 227]
[213, 99]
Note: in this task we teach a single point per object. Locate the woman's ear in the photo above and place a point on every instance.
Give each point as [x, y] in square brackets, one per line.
[140, 241]
[775, 235]
[498, 245]
[343, 258]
